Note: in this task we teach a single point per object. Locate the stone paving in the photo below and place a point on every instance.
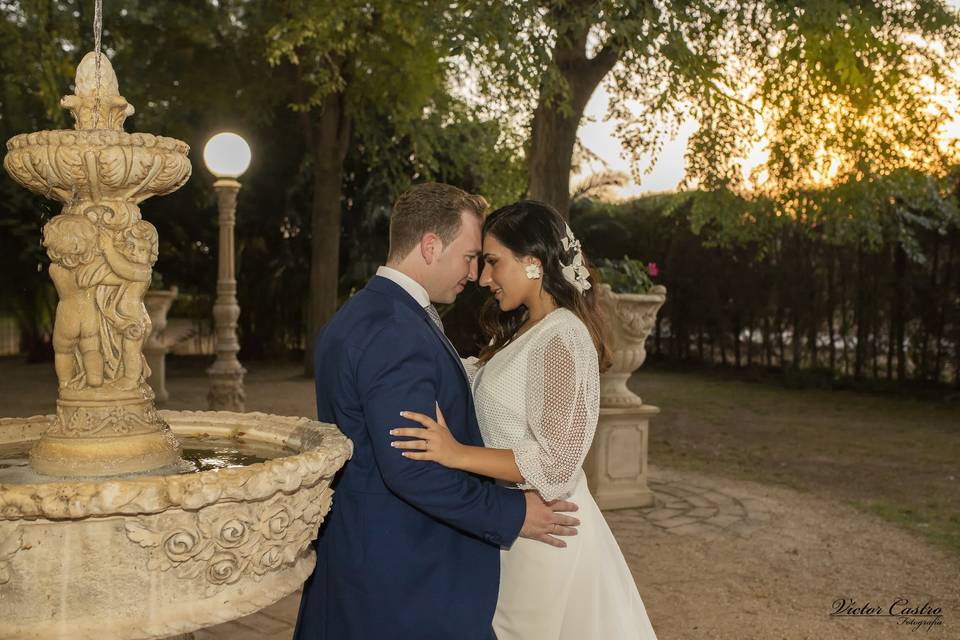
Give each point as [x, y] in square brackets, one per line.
[683, 506]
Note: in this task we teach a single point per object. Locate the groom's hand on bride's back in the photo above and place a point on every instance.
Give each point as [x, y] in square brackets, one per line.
[546, 520]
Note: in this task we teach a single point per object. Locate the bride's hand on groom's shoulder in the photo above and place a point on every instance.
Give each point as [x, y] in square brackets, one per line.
[433, 441]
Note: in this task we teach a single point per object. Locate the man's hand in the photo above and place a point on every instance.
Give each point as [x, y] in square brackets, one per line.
[546, 520]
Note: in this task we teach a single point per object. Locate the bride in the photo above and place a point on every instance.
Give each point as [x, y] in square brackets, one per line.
[536, 387]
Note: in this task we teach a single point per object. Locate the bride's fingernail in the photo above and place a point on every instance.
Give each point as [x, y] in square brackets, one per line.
[403, 413]
[393, 432]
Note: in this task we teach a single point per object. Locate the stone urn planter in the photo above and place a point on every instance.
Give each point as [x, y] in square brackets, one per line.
[155, 349]
[616, 466]
[630, 318]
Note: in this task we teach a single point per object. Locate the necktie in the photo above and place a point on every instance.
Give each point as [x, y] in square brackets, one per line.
[435, 316]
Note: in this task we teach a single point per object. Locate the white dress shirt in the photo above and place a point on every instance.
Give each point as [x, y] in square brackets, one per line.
[408, 284]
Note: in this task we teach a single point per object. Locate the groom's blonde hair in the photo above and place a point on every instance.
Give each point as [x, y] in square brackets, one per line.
[431, 207]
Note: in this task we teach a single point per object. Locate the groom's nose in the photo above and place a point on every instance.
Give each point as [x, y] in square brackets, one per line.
[474, 270]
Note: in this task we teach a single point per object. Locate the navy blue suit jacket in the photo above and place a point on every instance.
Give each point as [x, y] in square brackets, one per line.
[410, 549]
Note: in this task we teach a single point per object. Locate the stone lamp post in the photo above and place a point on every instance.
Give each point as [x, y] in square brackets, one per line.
[227, 156]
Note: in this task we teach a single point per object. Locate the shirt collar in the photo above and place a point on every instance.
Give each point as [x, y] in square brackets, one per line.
[408, 284]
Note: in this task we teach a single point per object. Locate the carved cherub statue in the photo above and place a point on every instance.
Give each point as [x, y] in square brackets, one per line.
[130, 254]
[72, 244]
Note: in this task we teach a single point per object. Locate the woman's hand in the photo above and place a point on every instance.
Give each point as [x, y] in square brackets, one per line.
[433, 441]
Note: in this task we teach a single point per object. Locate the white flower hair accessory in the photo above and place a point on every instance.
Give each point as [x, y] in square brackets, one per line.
[576, 273]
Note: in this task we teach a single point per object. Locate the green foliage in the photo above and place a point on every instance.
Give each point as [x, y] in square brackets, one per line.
[626, 275]
[799, 296]
[191, 69]
[840, 92]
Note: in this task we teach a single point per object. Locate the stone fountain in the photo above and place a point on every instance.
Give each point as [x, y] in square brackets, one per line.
[107, 532]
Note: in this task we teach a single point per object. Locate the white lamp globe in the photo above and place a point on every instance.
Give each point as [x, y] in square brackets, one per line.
[226, 155]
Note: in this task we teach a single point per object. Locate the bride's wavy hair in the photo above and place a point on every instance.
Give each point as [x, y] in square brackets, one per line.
[535, 229]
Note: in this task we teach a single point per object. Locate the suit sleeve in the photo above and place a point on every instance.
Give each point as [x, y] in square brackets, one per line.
[395, 372]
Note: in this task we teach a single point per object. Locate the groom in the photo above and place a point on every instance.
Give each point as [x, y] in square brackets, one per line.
[410, 551]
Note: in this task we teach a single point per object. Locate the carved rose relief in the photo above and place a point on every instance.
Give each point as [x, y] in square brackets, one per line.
[224, 542]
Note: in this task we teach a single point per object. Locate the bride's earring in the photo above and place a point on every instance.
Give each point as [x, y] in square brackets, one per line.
[533, 271]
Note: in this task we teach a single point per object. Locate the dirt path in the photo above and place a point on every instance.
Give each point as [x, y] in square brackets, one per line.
[717, 557]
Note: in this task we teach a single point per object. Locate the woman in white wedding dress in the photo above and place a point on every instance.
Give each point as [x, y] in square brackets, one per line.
[536, 388]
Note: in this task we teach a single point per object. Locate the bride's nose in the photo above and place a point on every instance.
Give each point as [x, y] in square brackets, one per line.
[485, 279]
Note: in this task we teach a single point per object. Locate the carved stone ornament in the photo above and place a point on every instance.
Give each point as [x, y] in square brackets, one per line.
[630, 318]
[324, 448]
[101, 261]
[107, 534]
[223, 543]
[155, 556]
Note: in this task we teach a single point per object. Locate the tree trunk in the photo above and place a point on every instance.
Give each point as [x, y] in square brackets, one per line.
[328, 140]
[557, 118]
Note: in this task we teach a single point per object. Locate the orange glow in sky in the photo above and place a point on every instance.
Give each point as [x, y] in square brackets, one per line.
[668, 171]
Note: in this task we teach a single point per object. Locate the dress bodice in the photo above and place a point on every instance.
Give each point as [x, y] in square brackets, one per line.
[539, 396]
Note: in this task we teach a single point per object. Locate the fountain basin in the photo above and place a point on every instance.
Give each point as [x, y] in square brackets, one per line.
[99, 166]
[151, 556]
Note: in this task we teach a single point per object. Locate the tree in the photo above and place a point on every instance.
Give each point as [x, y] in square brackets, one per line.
[352, 64]
[789, 72]
[190, 80]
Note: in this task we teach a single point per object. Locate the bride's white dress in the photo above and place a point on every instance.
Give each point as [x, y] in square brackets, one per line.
[539, 396]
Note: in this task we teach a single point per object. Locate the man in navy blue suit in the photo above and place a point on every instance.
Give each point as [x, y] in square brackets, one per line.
[410, 550]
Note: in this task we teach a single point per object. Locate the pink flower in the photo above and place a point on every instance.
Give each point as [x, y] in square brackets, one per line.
[652, 269]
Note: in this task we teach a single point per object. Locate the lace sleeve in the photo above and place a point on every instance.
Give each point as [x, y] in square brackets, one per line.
[562, 408]
[470, 365]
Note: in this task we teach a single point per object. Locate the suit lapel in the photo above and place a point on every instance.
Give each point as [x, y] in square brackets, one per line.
[391, 288]
[448, 346]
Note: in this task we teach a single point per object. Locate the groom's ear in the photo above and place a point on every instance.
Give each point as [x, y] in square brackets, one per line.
[430, 247]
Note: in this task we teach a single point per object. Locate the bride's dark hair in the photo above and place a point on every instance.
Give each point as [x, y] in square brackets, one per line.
[531, 228]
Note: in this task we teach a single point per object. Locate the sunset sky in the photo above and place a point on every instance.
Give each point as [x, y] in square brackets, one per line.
[666, 173]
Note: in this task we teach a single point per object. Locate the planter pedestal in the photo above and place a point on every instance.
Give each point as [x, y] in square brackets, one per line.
[616, 466]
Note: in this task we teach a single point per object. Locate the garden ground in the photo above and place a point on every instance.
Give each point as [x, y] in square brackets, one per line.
[771, 503]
